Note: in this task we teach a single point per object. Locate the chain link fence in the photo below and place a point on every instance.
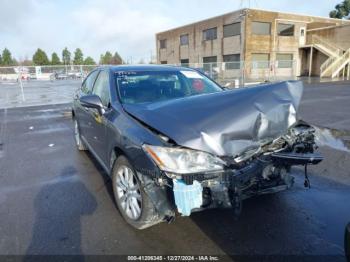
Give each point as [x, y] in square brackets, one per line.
[229, 73]
[48, 73]
[38, 85]
[240, 74]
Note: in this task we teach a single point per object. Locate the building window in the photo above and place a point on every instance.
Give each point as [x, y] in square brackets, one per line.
[210, 59]
[261, 28]
[162, 43]
[184, 39]
[260, 61]
[209, 63]
[284, 60]
[285, 29]
[232, 61]
[185, 62]
[232, 29]
[163, 62]
[210, 34]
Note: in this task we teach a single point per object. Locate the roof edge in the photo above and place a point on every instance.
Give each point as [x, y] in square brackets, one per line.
[203, 20]
[254, 9]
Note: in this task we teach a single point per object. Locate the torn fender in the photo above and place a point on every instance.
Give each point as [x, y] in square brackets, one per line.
[228, 122]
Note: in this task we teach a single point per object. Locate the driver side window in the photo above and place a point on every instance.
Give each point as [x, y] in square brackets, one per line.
[101, 87]
[86, 88]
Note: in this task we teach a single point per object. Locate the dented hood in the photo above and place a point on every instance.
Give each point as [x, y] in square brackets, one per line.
[225, 123]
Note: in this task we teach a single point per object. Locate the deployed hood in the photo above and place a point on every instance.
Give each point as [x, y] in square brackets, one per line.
[225, 123]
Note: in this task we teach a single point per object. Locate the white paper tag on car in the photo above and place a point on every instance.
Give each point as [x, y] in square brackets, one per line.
[191, 74]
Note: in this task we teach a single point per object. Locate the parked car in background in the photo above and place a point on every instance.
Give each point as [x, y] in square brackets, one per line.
[75, 74]
[61, 76]
[173, 140]
[32, 76]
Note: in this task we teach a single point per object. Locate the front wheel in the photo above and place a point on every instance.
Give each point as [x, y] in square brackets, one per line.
[133, 203]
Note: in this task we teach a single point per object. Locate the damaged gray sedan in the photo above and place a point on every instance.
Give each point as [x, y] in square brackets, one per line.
[173, 140]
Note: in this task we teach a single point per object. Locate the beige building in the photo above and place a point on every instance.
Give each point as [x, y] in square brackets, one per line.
[269, 43]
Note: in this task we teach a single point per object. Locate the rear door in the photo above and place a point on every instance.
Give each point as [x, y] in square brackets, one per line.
[99, 140]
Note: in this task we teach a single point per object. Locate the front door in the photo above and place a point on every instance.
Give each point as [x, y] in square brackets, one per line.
[100, 122]
[84, 115]
[302, 36]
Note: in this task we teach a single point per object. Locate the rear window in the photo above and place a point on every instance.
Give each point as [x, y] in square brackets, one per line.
[156, 86]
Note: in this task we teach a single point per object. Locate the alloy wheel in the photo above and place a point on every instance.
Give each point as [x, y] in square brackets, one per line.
[128, 192]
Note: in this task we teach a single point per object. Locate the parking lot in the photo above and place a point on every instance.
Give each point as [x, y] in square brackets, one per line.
[57, 200]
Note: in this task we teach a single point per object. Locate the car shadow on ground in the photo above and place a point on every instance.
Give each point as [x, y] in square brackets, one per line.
[58, 216]
[107, 180]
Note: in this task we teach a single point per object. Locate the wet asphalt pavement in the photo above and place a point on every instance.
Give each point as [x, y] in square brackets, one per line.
[57, 200]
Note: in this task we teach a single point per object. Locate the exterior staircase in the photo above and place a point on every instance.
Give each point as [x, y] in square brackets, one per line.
[334, 66]
[337, 60]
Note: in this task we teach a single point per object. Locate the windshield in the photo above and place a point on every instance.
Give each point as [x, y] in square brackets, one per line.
[155, 86]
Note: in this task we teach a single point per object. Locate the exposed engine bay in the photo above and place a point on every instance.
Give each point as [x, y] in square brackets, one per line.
[258, 171]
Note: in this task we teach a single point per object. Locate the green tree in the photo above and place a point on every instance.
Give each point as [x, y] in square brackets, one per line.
[0, 59]
[116, 59]
[89, 61]
[78, 57]
[106, 59]
[66, 56]
[55, 60]
[341, 10]
[40, 58]
[7, 59]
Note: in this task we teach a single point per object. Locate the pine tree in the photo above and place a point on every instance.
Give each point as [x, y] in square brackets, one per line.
[7, 58]
[89, 61]
[116, 59]
[78, 57]
[55, 60]
[66, 56]
[40, 58]
[106, 59]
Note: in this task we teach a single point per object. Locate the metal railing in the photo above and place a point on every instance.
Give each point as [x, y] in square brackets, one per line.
[340, 63]
[337, 57]
[332, 47]
[327, 64]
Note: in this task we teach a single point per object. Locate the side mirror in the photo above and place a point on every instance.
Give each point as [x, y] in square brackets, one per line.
[92, 101]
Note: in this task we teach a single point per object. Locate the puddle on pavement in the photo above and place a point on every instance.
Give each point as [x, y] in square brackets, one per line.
[336, 139]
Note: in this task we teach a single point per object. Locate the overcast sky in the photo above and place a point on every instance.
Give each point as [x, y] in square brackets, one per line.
[126, 26]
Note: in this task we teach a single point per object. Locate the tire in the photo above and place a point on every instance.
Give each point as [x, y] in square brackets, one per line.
[133, 203]
[79, 143]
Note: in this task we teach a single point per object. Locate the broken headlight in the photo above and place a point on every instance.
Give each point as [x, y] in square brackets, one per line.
[183, 161]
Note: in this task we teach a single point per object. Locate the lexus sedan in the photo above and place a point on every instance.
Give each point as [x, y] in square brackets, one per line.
[175, 142]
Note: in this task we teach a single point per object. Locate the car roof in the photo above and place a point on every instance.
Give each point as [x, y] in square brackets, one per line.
[147, 68]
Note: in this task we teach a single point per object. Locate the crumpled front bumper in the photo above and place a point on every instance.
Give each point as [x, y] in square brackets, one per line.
[227, 189]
